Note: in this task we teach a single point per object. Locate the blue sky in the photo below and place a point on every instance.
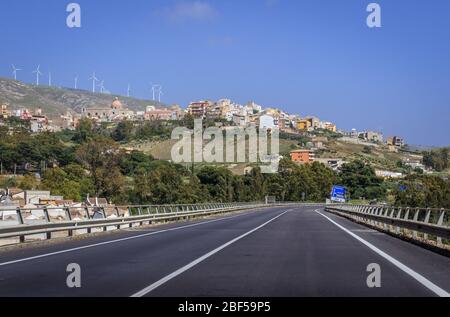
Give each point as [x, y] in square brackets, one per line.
[310, 57]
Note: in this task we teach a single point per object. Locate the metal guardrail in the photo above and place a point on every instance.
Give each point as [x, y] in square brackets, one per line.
[22, 222]
[423, 224]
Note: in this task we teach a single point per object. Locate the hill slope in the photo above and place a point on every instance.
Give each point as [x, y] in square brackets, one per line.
[55, 101]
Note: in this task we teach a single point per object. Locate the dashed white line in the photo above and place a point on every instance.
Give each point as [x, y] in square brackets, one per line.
[421, 279]
[167, 278]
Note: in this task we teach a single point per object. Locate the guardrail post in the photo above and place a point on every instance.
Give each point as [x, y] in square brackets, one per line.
[374, 212]
[20, 220]
[440, 223]
[105, 228]
[46, 215]
[68, 215]
[441, 217]
[371, 211]
[399, 215]
[406, 213]
[130, 225]
[116, 209]
[384, 213]
[427, 220]
[88, 216]
[69, 218]
[86, 209]
[406, 217]
[103, 212]
[47, 219]
[381, 212]
[391, 215]
[416, 218]
[19, 216]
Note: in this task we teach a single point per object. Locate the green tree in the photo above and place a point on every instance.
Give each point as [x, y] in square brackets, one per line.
[100, 156]
[84, 131]
[130, 162]
[58, 182]
[123, 131]
[423, 191]
[218, 182]
[361, 181]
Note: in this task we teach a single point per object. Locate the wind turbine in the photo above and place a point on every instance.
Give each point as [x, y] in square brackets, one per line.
[160, 92]
[128, 90]
[76, 82]
[38, 73]
[15, 70]
[49, 79]
[94, 79]
[154, 89]
[102, 86]
[153, 92]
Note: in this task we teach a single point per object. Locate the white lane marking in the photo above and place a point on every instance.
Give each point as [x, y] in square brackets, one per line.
[119, 240]
[422, 280]
[167, 278]
[366, 231]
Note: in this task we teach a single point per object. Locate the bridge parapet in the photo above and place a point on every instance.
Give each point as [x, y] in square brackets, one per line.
[428, 225]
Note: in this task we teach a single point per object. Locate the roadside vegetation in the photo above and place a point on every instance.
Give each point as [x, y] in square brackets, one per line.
[92, 161]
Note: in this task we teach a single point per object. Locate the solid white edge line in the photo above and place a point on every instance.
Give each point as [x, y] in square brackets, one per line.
[119, 240]
[167, 278]
[421, 279]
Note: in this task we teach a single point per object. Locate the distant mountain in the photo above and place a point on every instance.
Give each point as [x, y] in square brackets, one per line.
[55, 101]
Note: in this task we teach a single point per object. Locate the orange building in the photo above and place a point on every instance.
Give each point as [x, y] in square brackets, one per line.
[303, 125]
[302, 156]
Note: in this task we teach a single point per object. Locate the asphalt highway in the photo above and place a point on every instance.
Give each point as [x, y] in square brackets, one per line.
[283, 251]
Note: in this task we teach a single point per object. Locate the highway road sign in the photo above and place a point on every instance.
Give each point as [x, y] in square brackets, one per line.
[338, 194]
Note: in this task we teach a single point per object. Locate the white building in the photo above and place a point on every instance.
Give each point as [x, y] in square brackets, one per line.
[388, 174]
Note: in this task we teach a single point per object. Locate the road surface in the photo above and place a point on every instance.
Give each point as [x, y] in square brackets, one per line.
[288, 251]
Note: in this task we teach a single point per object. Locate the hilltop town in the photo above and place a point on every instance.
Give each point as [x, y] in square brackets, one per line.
[146, 129]
[223, 113]
[319, 140]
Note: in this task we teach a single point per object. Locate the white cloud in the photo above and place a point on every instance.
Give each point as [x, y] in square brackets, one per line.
[189, 11]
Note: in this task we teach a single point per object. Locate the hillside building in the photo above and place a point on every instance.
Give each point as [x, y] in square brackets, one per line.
[116, 112]
[302, 156]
